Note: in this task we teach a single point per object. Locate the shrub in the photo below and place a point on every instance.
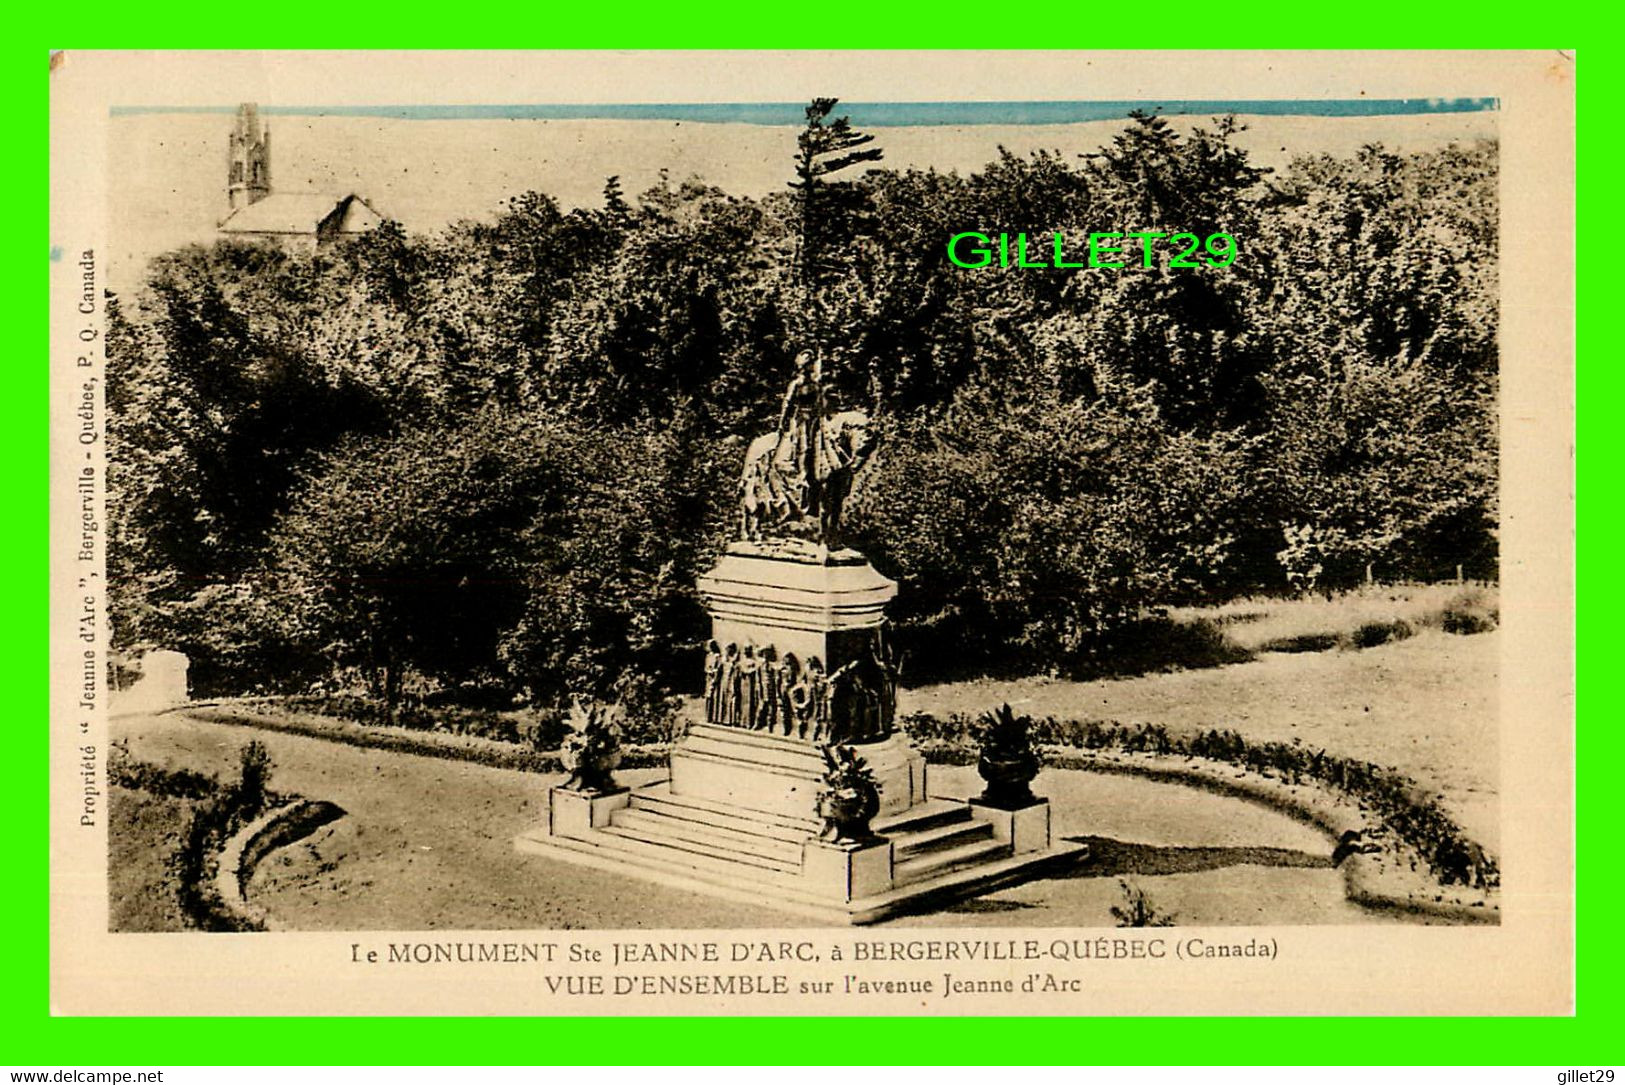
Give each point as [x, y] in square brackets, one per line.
[479, 722]
[1301, 642]
[1371, 634]
[518, 726]
[482, 751]
[1046, 534]
[1463, 620]
[542, 730]
[239, 637]
[1161, 643]
[1137, 909]
[1470, 610]
[348, 706]
[648, 713]
[252, 793]
[207, 829]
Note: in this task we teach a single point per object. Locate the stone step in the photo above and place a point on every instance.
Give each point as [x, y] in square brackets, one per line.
[625, 855]
[724, 815]
[931, 863]
[940, 837]
[708, 857]
[769, 889]
[925, 815]
[650, 825]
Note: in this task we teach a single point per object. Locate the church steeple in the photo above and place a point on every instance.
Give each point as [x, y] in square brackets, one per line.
[249, 177]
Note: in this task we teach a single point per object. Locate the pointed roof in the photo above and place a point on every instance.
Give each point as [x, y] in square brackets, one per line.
[303, 213]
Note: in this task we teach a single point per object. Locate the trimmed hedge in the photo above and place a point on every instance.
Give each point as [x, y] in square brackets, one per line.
[542, 730]
[494, 753]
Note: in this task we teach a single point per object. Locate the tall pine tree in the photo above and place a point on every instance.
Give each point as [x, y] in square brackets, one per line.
[825, 207]
[828, 218]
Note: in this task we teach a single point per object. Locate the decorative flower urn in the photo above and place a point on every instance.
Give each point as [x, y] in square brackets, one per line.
[850, 798]
[592, 750]
[1009, 761]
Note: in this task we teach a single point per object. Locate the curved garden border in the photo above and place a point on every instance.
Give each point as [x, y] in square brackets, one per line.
[256, 840]
[1365, 880]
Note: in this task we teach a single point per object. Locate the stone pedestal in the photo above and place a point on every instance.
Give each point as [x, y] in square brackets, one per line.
[848, 872]
[800, 664]
[162, 684]
[792, 599]
[798, 643]
[1025, 829]
[576, 813]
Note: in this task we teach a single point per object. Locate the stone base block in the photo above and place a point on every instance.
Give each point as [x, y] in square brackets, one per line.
[577, 813]
[1025, 829]
[847, 872]
[756, 770]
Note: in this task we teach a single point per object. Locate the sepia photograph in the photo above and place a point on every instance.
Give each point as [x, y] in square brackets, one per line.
[1043, 530]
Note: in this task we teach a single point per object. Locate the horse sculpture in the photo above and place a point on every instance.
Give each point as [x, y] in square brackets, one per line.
[777, 495]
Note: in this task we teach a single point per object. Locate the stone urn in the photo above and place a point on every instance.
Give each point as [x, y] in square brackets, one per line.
[1008, 762]
[850, 798]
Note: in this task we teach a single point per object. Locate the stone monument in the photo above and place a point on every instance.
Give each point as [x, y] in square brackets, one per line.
[162, 684]
[795, 785]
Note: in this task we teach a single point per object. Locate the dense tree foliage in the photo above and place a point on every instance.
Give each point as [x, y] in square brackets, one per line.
[493, 460]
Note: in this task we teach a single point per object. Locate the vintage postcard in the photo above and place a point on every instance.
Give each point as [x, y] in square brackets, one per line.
[812, 533]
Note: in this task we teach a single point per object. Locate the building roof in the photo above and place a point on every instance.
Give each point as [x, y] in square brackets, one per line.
[302, 213]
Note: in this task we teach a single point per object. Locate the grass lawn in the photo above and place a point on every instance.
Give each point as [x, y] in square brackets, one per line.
[143, 831]
[1316, 622]
[1426, 705]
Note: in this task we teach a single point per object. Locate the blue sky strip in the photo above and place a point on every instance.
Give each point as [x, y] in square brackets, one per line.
[867, 114]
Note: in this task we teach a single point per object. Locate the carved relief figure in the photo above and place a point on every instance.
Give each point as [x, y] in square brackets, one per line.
[753, 687]
[767, 711]
[802, 699]
[750, 687]
[713, 682]
[889, 671]
[784, 707]
[830, 715]
[730, 685]
[817, 700]
[846, 696]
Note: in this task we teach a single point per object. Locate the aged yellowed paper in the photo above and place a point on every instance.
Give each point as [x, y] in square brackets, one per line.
[398, 399]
